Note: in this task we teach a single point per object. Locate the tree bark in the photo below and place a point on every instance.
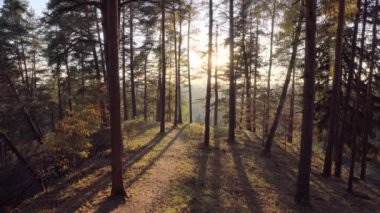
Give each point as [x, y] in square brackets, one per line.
[163, 58]
[333, 134]
[132, 63]
[346, 103]
[189, 66]
[33, 125]
[123, 43]
[281, 103]
[267, 101]
[232, 87]
[291, 113]
[255, 74]
[176, 107]
[368, 98]
[111, 21]
[145, 88]
[355, 127]
[216, 104]
[180, 119]
[303, 177]
[209, 67]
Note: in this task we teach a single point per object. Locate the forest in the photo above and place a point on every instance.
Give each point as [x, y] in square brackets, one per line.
[189, 106]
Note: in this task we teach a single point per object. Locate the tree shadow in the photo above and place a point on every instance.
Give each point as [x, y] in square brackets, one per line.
[109, 205]
[250, 195]
[280, 172]
[214, 184]
[99, 182]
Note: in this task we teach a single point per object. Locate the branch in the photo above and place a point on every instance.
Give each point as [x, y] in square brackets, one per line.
[77, 4]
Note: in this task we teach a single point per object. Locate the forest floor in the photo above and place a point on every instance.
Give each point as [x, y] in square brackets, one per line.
[174, 173]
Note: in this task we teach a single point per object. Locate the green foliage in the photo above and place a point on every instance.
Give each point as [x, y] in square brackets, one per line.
[71, 139]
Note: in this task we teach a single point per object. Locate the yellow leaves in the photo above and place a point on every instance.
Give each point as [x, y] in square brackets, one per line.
[71, 137]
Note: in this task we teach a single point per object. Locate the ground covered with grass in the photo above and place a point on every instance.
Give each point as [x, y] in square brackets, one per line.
[175, 173]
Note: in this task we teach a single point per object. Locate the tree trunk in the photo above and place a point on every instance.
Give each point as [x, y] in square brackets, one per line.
[267, 101]
[158, 100]
[18, 155]
[355, 127]
[209, 67]
[145, 88]
[292, 100]
[255, 74]
[33, 125]
[163, 58]
[101, 48]
[346, 103]
[189, 65]
[333, 134]
[368, 98]
[132, 63]
[232, 87]
[123, 43]
[176, 71]
[111, 21]
[69, 90]
[303, 177]
[281, 103]
[99, 81]
[248, 106]
[180, 119]
[170, 95]
[216, 104]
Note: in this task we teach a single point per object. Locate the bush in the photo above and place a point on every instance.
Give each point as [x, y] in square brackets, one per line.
[71, 139]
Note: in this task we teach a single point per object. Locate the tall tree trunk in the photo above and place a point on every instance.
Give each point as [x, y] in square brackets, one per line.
[28, 82]
[303, 177]
[123, 43]
[163, 58]
[18, 155]
[189, 66]
[33, 125]
[175, 70]
[111, 22]
[291, 113]
[69, 90]
[145, 88]
[232, 87]
[333, 134]
[355, 127]
[99, 82]
[102, 56]
[159, 80]
[180, 119]
[248, 113]
[209, 67]
[82, 72]
[281, 103]
[58, 76]
[267, 101]
[170, 95]
[242, 104]
[346, 103]
[216, 104]
[368, 98]
[255, 74]
[132, 63]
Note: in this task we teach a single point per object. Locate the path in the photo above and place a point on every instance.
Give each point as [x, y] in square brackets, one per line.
[150, 189]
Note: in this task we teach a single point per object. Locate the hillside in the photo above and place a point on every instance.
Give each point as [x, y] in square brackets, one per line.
[173, 173]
